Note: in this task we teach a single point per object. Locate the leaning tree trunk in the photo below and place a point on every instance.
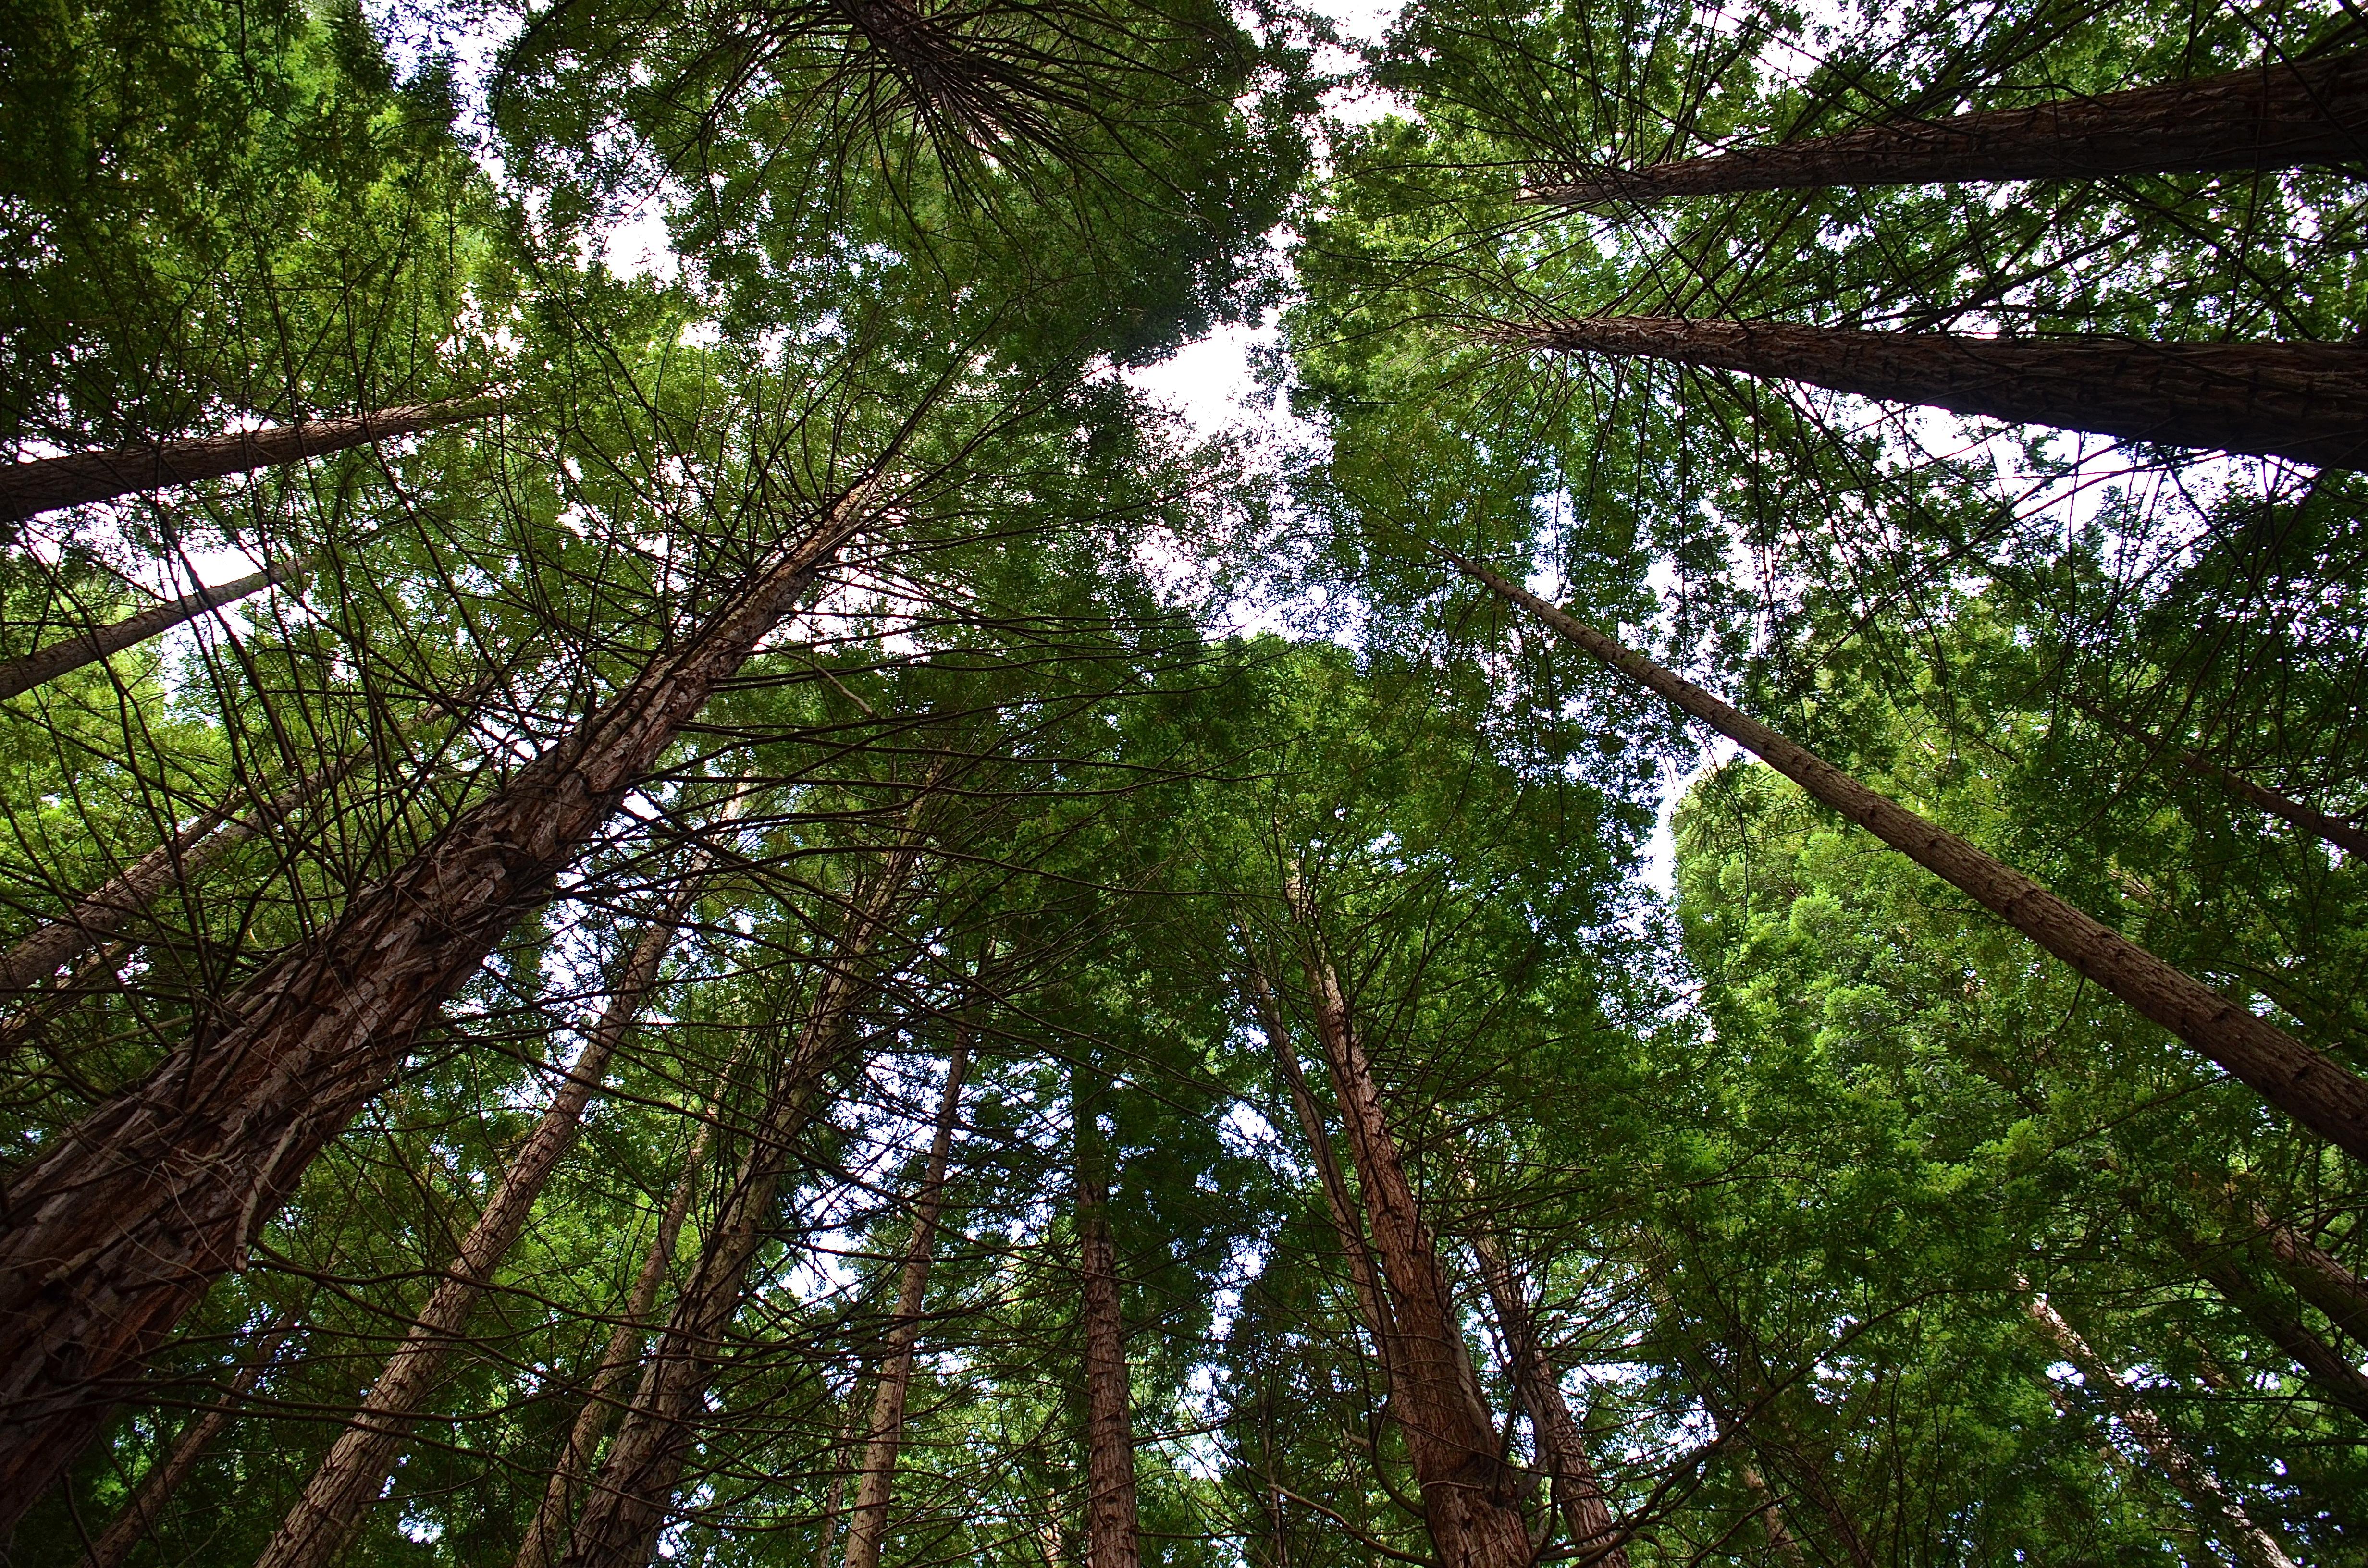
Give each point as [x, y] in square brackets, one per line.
[2251, 1544]
[2299, 1081]
[350, 1478]
[2336, 1379]
[1113, 1534]
[1595, 1536]
[868, 1528]
[2304, 401]
[2280, 115]
[132, 1525]
[120, 1229]
[2343, 835]
[77, 478]
[2318, 1278]
[630, 1496]
[45, 664]
[1472, 1497]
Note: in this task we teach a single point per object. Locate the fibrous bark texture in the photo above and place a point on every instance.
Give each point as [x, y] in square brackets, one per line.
[2275, 116]
[1472, 1497]
[2304, 401]
[2299, 1081]
[630, 1496]
[350, 1477]
[48, 664]
[2237, 1531]
[79, 478]
[868, 1528]
[1113, 1538]
[118, 1231]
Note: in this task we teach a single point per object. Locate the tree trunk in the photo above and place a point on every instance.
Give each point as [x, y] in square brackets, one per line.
[2343, 835]
[1347, 1230]
[2316, 1276]
[77, 478]
[2280, 114]
[350, 1479]
[866, 1529]
[121, 1228]
[2299, 1081]
[139, 1515]
[2335, 1378]
[2251, 1544]
[1472, 1497]
[1595, 1536]
[2304, 401]
[629, 1498]
[1112, 1532]
[45, 664]
[546, 1538]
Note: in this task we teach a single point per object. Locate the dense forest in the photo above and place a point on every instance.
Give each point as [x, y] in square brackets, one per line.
[1691, 892]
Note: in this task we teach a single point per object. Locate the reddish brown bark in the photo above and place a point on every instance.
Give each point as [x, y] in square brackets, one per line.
[44, 664]
[132, 1525]
[1595, 1536]
[2343, 835]
[2318, 1277]
[78, 479]
[350, 1477]
[2304, 401]
[2335, 1378]
[1472, 1497]
[629, 1498]
[119, 1229]
[867, 1529]
[2237, 1531]
[2304, 1084]
[1113, 1538]
[2280, 115]
[546, 1538]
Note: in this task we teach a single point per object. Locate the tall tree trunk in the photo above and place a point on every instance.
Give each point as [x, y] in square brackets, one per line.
[1595, 1536]
[1472, 1497]
[2304, 401]
[2299, 1081]
[2318, 1278]
[2335, 1378]
[1113, 1536]
[546, 1538]
[45, 664]
[77, 478]
[132, 1525]
[113, 1236]
[2280, 115]
[1372, 1311]
[2251, 1544]
[2343, 835]
[868, 1528]
[629, 1498]
[349, 1480]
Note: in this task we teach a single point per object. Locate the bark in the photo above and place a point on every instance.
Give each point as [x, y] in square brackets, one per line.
[350, 1478]
[2251, 1544]
[116, 1232]
[45, 664]
[2335, 1378]
[78, 479]
[139, 1515]
[2299, 1081]
[546, 1537]
[1347, 1230]
[2284, 114]
[1112, 1533]
[2304, 401]
[1772, 1514]
[2316, 1276]
[1472, 1497]
[866, 1529]
[1561, 1448]
[2344, 835]
[630, 1496]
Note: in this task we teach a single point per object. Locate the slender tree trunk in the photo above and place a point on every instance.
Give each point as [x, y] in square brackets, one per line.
[45, 664]
[1113, 1537]
[868, 1528]
[1562, 1448]
[120, 1229]
[2251, 1544]
[2343, 835]
[139, 1515]
[1771, 1514]
[2280, 114]
[2299, 1081]
[77, 478]
[546, 1538]
[1472, 1497]
[2316, 1276]
[350, 1479]
[2335, 1378]
[2304, 401]
[629, 1498]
